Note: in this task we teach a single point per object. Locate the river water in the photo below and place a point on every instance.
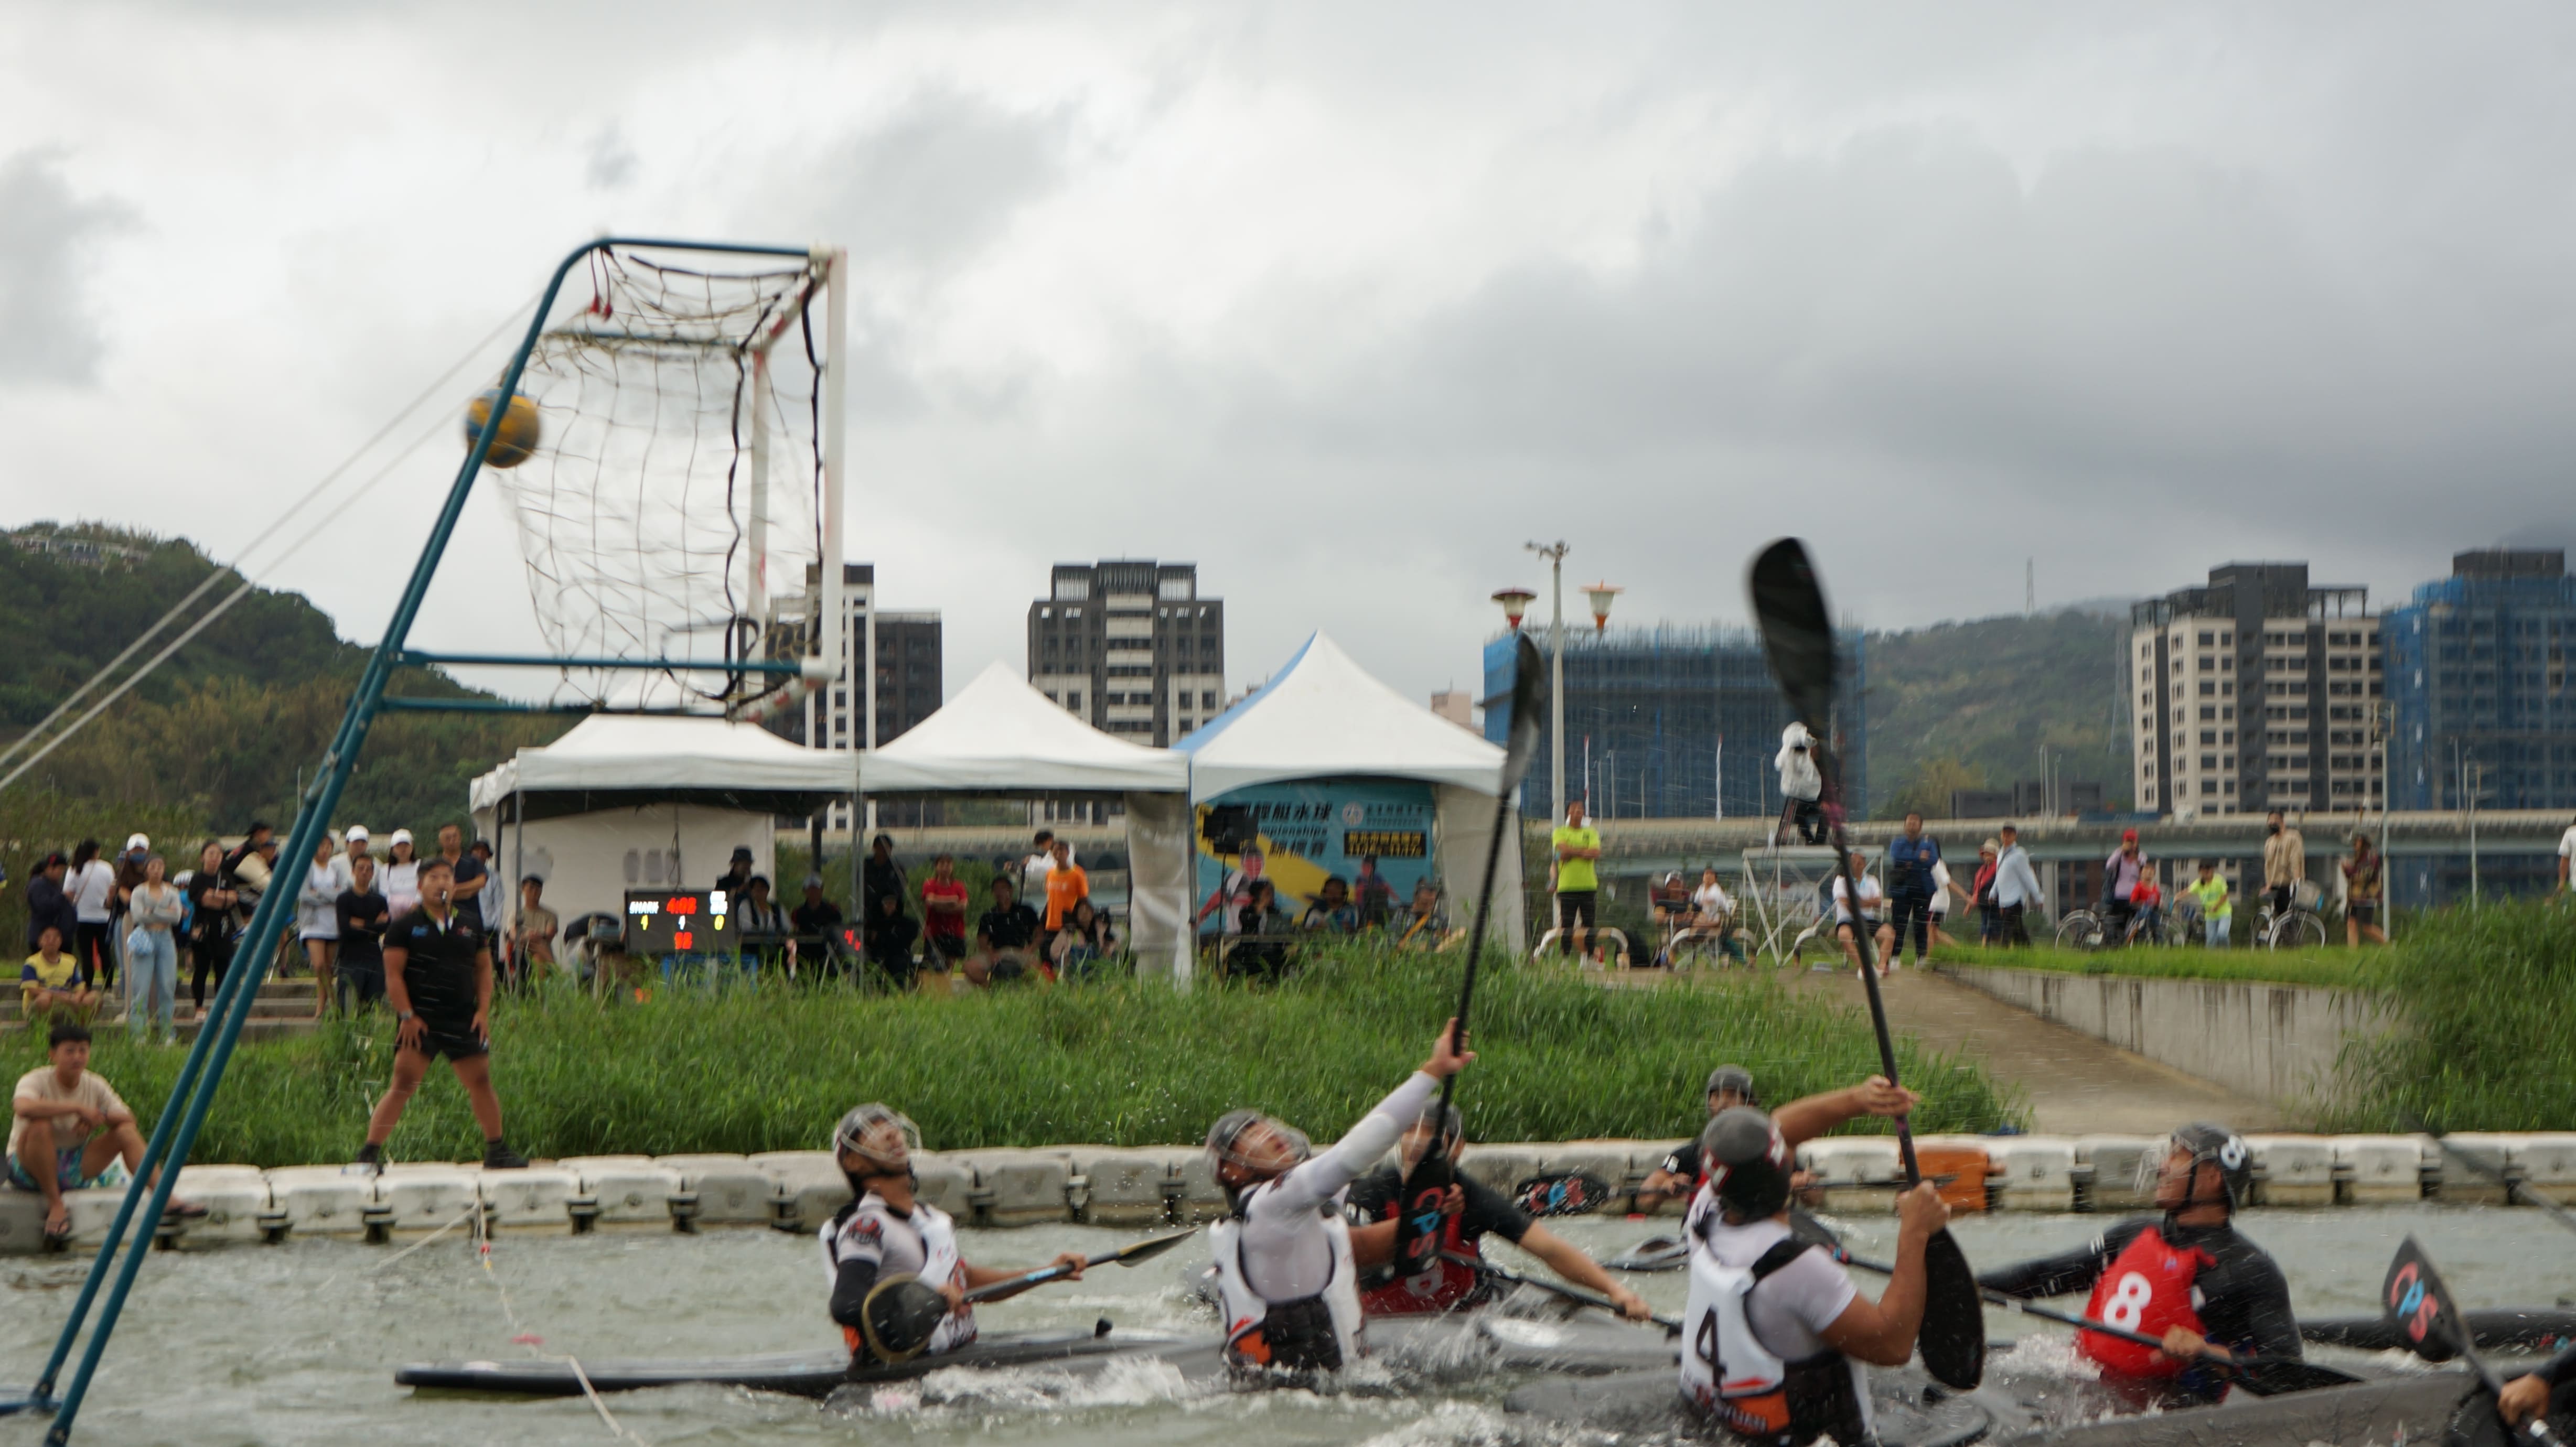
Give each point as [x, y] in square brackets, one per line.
[297, 1344]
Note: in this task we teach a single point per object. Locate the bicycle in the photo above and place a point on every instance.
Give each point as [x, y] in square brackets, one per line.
[2088, 930]
[2299, 927]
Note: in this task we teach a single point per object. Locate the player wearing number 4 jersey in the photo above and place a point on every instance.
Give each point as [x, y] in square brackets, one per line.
[2186, 1276]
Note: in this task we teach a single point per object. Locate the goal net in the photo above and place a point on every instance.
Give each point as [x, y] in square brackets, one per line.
[673, 516]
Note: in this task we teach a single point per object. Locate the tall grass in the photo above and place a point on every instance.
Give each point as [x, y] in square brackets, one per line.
[2488, 1040]
[1120, 1062]
[2333, 967]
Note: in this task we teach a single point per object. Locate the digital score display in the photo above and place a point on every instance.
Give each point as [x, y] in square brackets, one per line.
[664, 921]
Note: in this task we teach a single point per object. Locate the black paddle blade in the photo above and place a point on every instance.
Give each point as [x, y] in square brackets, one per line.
[1529, 711]
[1797, 631]
[1147, 1249]
[898, 1317]
[1417, 1215]
[2275, 1376]
[1953, 1339]
[2420, 1306]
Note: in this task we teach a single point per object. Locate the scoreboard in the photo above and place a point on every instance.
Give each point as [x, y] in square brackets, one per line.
[664, 921]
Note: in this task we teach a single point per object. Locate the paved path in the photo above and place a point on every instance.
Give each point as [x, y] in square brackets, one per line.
[2076, 1085]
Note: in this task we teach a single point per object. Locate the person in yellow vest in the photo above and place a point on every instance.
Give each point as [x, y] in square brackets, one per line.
[1577, 846]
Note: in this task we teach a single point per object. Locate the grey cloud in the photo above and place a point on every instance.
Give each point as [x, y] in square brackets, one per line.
[939, 178]
[611, 163]
[47, 239]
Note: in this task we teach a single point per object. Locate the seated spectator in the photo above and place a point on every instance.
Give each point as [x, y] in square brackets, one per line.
[943, 913]
[762, 923]
[1262, 929]
[888, 939]
[1005, 939]
[68, 1127]
[1425, 924]
[1084, 941]
[818, 926]
[364, 914]
[1372, 894]
[532, 938]
[50, 980]
[1066, 885]
[1669, 900]
[1332, 910]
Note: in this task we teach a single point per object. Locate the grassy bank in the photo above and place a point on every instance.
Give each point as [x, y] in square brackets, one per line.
[2331, 968]
[1121, 1063]
[2490, 1000]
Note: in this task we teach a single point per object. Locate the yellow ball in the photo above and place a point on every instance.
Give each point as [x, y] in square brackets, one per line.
[517, 437]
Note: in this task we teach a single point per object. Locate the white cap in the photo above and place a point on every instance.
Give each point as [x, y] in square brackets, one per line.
[138, 842]
[357, 831]
[401, 836]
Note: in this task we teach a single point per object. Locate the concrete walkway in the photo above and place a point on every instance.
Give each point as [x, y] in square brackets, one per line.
[2076, 1085]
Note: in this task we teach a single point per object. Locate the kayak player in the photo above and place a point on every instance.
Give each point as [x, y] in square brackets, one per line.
[885, 1231]
[1788, 1326]
[1472, 1211]
[1800, 1121]
[2186, 1276]
[1287, 1284]
[2549, 1392]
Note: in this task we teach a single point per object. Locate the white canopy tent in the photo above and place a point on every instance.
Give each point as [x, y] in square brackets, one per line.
[635, 802]
[1000, 737]
[1323, 716]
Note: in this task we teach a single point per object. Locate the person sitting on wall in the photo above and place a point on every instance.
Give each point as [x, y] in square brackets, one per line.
[1005, 940]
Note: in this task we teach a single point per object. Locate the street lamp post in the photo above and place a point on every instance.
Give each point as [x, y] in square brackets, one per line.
[1516, 602]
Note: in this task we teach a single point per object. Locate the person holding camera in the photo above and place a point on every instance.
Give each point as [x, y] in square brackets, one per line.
[1802, 787]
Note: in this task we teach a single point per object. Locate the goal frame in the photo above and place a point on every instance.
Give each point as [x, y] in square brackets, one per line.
[192, 1093]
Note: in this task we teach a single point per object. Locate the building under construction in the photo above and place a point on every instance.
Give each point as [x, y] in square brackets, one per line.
[1672, 722]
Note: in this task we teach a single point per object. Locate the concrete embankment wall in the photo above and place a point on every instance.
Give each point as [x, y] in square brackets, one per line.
[2279, 1043]
[1142, 1187]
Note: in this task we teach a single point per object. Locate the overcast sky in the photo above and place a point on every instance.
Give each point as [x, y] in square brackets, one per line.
[1346, 302]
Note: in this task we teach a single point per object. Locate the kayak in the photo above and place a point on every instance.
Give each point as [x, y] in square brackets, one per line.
[1911, 1409]
[2414, 1408]
[801, 1374]
[2533, 1331]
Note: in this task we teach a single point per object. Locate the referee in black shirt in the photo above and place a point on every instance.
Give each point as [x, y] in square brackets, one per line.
[438, 978]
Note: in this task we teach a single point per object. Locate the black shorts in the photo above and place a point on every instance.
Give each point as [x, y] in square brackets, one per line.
[2362, 911]
[1574, 909]
[946, 947]
[452, 1036]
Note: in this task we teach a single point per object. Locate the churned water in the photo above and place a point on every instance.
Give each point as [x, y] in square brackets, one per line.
[297, 1344]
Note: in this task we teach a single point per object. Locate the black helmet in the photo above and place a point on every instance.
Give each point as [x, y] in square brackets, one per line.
[1748, 1164]
[1443, 1121]
[2222, 1149]
[1735, 1078]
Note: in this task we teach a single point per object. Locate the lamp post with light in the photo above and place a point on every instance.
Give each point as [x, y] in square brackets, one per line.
[1515, 603]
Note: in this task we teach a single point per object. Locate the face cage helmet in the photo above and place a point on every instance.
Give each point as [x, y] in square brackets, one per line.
[1224, 1136]
[1733, 1078]
[1747, 1161]
[879, 1135]
[2213, 1146]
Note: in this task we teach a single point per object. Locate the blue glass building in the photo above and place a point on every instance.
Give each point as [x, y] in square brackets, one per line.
[2477, 671]
[1675, 722]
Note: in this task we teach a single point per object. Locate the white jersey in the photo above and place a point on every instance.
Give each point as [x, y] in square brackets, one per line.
[1247, 1311]
[1746, 1329]
[1711, 901]
[1798, 776]
[922, 1244]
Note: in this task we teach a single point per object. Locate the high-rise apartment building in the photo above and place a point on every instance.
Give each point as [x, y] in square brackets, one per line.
[909, 686]
[2478, 677]
[2256, 692]
[1130, 647]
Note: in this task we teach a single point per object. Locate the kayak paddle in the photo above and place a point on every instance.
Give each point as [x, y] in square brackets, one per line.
[901, 1312]
[1482, 1267]
[2512, 1187]
[1798, 638]
[1417, 1219]
[2429, 1321]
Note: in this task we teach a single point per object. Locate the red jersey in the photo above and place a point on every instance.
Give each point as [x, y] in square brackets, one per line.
[951, 925]
[2145, 1288]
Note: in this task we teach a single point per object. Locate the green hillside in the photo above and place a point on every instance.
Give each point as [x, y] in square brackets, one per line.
[1968, 705]
[217, 735]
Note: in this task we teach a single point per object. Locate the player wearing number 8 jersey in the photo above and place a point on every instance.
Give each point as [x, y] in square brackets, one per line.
[2186, 1276]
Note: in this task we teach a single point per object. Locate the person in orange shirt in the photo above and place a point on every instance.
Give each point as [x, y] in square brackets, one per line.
[1066, 886]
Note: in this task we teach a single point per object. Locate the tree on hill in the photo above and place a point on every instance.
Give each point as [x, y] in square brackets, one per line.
[1969, 705]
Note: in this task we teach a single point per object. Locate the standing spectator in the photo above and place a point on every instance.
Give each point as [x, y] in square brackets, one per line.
[1943, 889]
[1577, 846]
[532, 935]
[1004, 938]
[68, 1126]
[464, 873]
[1372, 894]
[2285, 861]
[1802, 786]
[879, 876]
[818, 924]
[2217, 912]
[364, 914]
[2120, 875]
[1066, 886]
[1232, 893]
[129, 873]
[49, 904]
[1039, 864]
[1910, 860]
[1981, 893]
[153, 908]
[252, 868]
[1871, 915]
[1331, 910]
[487, 887]
[2361, 891]
[943, 914]
[402, 875]
[2016, 888]
[353, 848]
[50, 979]
[888, 940]
[1261, 928]
[92, 887]
[736, 880]
[211, 925]
[2566, 855]
[317, 920]
[762, 923]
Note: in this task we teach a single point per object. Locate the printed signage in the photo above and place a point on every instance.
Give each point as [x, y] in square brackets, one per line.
[1314, 829]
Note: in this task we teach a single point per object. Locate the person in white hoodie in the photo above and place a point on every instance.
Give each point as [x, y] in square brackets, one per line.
[1286, 1280]
[1801, 787]
[2016, 888]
